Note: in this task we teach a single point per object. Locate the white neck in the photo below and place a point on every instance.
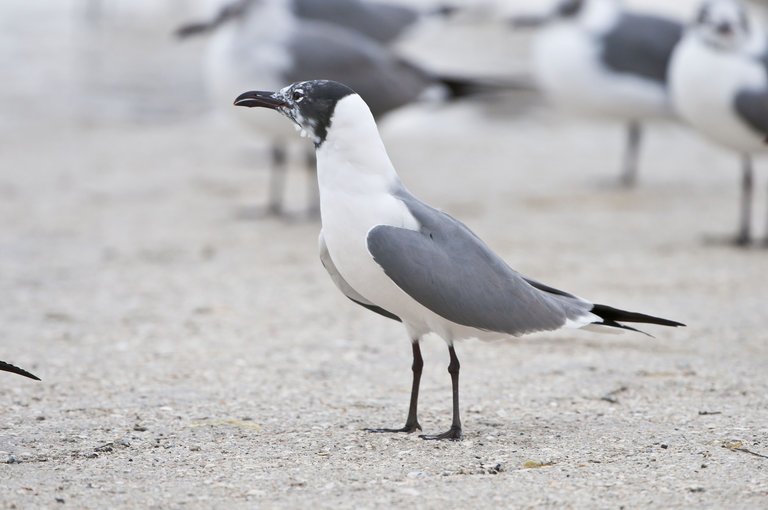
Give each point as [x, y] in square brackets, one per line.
[352, 157]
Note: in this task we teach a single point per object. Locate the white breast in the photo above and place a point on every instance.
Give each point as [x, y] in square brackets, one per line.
[356, 177]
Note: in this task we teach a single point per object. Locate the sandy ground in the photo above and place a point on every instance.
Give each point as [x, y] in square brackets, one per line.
[191, 359]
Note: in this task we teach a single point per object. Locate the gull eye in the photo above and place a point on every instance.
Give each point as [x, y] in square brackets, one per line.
[298, 95]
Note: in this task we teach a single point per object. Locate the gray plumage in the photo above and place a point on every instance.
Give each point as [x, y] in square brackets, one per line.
[449, 270]
[385, 81]
[752, 106]
[379, 21]
[641, 45]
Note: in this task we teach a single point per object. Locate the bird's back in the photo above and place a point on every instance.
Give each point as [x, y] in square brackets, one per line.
[641, 45]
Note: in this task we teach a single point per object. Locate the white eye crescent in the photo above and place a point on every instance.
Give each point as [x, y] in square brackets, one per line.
[298, 95]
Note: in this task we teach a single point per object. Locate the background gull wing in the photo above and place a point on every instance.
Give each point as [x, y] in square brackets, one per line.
[752, 106]
[383, 80]
[641, 45]
[380, 21]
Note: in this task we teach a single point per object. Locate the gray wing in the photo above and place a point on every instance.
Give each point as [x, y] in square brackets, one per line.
[343, 286]
[641, 45]
[752, 107]
[385, 82]
[379, 21]
[449, 270]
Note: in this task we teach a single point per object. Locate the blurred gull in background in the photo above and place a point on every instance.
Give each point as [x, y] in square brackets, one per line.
[380, 21]
[267, 43]
[719, 84]
[595, 58]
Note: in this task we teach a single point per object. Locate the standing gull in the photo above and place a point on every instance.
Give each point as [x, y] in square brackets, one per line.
[719, 84]
[594, 58]
[403, 259]
[7, 367]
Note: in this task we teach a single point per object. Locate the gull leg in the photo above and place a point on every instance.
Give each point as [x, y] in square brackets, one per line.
[277, 181]
[454, 433]
[313, 193]
[743, 236]
[412, 422]
[765, 239]
[632, 154]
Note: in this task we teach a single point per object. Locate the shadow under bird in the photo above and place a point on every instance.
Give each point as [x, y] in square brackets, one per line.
[399, 257]
[596, 58]
[7, 367]
[719, 84]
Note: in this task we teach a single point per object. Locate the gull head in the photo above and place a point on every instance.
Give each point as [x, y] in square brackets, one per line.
[310, 104]
[723, 25]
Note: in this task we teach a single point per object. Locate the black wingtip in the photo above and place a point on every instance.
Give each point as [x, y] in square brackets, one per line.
[613, 316]
[378, 309]
[7, 367]
[192, 29]
[459, 87]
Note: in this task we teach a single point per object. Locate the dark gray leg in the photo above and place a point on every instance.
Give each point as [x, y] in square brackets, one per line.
[412, 422]
[743, 237]
[277, 181]
[632, 154]
[454, 433]
[765, 239]
[313, 193]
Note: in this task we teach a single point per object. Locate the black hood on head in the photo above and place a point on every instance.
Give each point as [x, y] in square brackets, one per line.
[315, 102]
[310, 104]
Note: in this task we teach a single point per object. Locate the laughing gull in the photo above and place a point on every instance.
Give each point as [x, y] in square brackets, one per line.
[594, 58]
[399, 257]
[719, 83]
[7, 367]
[269, 42]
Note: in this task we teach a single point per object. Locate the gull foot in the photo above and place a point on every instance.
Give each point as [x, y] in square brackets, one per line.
[454, 434]
[408, 428]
